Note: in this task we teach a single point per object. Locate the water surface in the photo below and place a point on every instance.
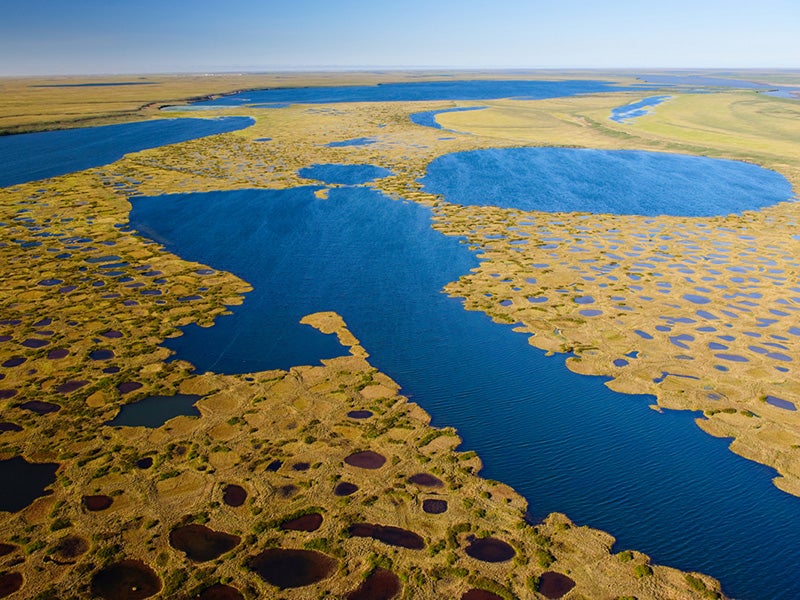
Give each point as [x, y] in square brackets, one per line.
[627, 182]
[23, 482]
[154, 411]
[634, 110]
[564, 441]
[416, 91]
[32, 156]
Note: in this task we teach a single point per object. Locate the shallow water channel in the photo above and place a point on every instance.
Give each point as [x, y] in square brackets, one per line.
[562, 440]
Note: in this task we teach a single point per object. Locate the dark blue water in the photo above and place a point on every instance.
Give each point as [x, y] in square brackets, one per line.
[604, 181]
[32, 156]
[431, 90]
[154, 411]
[625, 114]
[427, 118]
[564, 441]
[23, 482]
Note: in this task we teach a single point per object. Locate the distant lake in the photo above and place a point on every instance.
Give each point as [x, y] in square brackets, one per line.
[32, 156]
[416, 91]
[629, 112]
[628, 182]
[703, 81]
[564, 441]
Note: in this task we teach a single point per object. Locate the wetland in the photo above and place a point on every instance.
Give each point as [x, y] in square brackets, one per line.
[305, 469]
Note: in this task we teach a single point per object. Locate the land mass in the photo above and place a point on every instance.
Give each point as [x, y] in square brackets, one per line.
[136, 500]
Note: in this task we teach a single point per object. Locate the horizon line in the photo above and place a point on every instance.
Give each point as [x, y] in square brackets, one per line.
[252, 70]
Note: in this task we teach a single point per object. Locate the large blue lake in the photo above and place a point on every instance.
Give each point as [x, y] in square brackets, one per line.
[33, 156]
[564, 441]
[604, 181]
[414, 91]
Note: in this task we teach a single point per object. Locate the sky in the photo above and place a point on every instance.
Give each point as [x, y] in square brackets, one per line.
[51, 37]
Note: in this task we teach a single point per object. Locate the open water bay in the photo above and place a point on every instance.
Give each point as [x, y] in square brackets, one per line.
[562, 440]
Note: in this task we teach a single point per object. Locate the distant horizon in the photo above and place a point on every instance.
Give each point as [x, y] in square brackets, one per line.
[97, 37]
[401, 69]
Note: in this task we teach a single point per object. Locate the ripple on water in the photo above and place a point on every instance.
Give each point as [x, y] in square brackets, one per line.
[603, 181]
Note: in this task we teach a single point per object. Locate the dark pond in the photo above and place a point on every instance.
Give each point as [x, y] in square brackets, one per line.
[490, 549]
[388, 534]
[126, 580]
[430, 90]
[381, 584]
[478, 594]
[433, 506]
[366, 460]
[23, 482]
[292, 568]
[219, 591]
[310, 522]
[154, 411]
[71, 547]
[554, 585]
[426, 480]
[359, 414]
[10, 583]
[345, 489]
[200, 543]
[629, 182]
[564, 441]
[40, 407]
[234, 495]
[97, 503]
[32, 156]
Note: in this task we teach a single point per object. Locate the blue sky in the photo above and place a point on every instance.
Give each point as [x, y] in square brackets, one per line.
[146, 36]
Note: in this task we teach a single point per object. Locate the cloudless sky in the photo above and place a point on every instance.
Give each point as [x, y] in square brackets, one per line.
[39, 37]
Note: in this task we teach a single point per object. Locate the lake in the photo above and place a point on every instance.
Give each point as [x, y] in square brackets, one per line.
[634, 110]
[564, 441]
[629, 182]
[415, 91]
[33, 156]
